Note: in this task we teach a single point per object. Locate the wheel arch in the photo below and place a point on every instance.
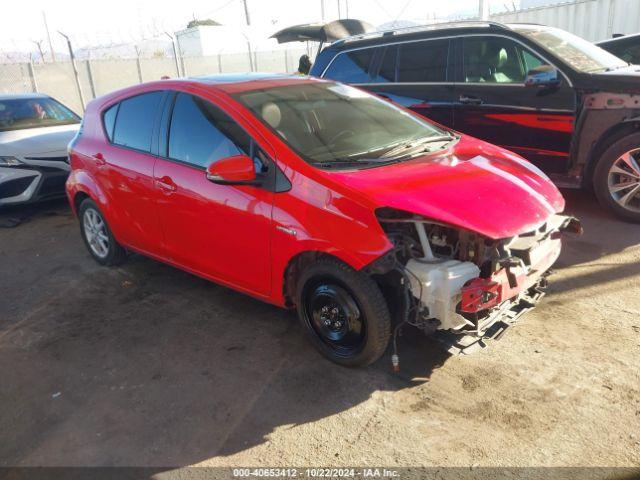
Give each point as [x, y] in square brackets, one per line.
[604, 141]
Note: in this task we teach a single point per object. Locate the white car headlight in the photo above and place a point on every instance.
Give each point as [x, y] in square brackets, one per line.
[9, 161]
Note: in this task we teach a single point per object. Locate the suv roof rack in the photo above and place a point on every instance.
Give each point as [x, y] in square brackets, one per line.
[425, 28]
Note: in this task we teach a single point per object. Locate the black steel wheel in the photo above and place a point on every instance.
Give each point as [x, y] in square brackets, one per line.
[344, 313]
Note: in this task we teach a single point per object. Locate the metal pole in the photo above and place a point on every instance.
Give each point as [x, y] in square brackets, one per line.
[46, 27]
[339, 14]
[483, 9]
[91, 80]
[75, 69]
[175, 52]
[246, 16]
[322, 10]
[32, 74]
[138, 65]
[346, 2]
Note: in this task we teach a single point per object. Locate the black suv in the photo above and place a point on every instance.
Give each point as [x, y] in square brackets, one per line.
[563, 103]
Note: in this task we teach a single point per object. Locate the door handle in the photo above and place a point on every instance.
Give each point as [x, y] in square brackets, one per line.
[166, 184]
[99, 159]
[470, 100]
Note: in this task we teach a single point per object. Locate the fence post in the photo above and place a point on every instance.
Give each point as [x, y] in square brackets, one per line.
[139, 67]
[184, 70]
[219, 63]
[32, 75]
[75, 70]
[286, 61]
[92, 83]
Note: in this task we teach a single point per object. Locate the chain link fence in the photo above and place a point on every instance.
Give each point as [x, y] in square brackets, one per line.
[98, 77]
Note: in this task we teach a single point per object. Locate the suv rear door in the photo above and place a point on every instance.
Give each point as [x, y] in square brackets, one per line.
[416, 74]
[493, 103]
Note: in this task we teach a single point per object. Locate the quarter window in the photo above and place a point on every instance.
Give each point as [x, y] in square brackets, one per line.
[136, 117]
[109, 120]
[351, 67]
[423, 61]
[496, 60]
[201, 133]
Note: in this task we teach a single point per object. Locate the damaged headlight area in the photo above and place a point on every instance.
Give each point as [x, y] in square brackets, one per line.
[465, 284]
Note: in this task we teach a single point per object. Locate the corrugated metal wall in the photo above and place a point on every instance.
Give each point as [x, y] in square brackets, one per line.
[591, 19]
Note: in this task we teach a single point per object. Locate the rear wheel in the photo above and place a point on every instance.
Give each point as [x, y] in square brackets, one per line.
[343, 312]
[97, 236]
[617, 178]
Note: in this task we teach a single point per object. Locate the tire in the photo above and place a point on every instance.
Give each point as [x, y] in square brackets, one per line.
[343, 312]
[625, 202]
[97, 235]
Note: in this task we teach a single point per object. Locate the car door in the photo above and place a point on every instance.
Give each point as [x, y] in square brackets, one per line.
[219, 231]
[125, 167]
[414, 74]
[493, 103]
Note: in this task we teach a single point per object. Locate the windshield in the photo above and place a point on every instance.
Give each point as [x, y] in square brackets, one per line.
[331, 124]
[577, 52]
[20, 113]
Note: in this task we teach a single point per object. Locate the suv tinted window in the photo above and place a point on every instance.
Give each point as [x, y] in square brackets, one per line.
[109, 119]
[201, 133]
[136, 116]
[388, 64]
[423, 61]
[351, 67]
[496, 60]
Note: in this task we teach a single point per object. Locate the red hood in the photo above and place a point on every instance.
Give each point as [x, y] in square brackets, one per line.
[474, 185]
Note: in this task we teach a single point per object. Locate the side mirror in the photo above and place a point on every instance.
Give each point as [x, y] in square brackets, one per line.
[543, 76]
[236, 170]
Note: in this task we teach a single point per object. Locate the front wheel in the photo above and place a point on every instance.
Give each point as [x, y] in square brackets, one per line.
[343, 312]
[617, 178]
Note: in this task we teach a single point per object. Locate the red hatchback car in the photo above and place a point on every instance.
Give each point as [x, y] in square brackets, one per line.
[314, 195]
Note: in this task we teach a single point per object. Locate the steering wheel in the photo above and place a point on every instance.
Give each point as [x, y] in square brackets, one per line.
[341, 134]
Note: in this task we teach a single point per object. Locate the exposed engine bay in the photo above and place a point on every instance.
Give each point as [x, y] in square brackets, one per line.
[467, 284]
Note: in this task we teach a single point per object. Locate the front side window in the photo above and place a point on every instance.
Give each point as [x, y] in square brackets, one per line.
[351, 67]
[200, 133]
[36, 112]
[496, 60]
[330, 124]
[423, 61]
[135, 119]
[577, 52]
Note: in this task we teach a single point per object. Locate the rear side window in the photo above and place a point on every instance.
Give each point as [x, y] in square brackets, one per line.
[388, 63]
[351, 67]
[136, 116]
[109, 119]
[200, 133]
[423, 61]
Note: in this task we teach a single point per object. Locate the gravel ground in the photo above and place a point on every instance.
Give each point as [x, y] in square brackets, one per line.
[146, 365]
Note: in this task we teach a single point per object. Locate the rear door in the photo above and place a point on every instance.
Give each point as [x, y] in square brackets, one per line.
[220, 231]
[415, 74]
[493, 104]
[125, 168]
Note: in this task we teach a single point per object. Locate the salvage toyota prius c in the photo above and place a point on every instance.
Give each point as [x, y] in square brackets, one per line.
[320, 197]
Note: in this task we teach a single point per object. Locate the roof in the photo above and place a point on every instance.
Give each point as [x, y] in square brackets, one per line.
[620, 38]
[22, 96]
[421, 29]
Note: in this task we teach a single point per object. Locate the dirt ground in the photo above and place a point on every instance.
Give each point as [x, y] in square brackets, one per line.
[146, 365]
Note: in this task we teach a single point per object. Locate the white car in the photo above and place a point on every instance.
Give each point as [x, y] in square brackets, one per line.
[35, 130]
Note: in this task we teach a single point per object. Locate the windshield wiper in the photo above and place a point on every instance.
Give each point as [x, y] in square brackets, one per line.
[408, 147]
[355, 162]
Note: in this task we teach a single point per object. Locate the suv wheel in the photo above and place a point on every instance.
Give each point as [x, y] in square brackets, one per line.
[617, 178]
[343, 312]
[97, 236]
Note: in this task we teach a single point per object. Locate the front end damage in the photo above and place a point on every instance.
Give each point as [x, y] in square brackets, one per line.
[463, 286]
